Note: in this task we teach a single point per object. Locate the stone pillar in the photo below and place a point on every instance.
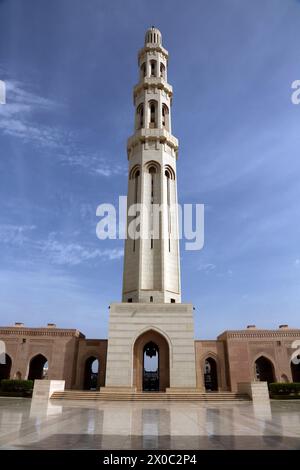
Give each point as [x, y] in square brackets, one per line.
[257, 391]
[43, 389]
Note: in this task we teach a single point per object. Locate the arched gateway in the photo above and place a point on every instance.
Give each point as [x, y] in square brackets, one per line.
[151, 362]
[264, 370]
[38, 367]
[210, 375]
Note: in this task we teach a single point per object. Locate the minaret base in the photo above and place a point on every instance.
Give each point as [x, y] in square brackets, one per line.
[169, 326]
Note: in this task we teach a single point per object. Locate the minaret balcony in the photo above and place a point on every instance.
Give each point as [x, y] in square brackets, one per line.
[161, 135]
[153, 82]
[152, 48]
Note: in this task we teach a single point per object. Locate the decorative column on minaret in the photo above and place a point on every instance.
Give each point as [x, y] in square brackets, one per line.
[151, 261]
[151, 321]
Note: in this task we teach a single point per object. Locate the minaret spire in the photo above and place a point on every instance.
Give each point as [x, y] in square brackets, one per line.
[151, 263]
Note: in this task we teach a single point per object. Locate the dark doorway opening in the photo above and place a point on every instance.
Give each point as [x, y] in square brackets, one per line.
[264, 370]
[151, 367]
[38, 368]
[295, 368]
[5, 368]
[210, 375]
[91, 373]
[158, 365]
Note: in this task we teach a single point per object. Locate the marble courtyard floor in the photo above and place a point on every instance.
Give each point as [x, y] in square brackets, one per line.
[25, 424]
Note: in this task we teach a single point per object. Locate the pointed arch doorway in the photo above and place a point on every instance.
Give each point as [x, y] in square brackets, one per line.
[5, 367]
[264, 370]
[210, 375]
[151, 362]
[38, 367]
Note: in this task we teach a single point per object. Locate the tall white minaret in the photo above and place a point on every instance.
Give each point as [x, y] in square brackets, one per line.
[151, 313]
[151, 262]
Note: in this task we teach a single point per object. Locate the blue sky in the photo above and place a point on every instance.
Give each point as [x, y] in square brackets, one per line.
[70, 66]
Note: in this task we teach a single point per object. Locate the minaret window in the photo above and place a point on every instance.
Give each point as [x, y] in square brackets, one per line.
[134, 172]
[168, 175]
[153, 119]
[136, 187]
[153, 68]
[152, 113]
[152, 171]
[140, 116]
[162, 70]
[169, 172]
[165, 117]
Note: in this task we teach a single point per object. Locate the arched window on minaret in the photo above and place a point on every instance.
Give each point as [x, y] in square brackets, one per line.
[143, 70]
[162, 70]
[140, 116]
[135, 171]
[152, 171]
[170, 175]
[165, 117]
[169, 172]
[153, 114]
[152, 68]
[135, 176]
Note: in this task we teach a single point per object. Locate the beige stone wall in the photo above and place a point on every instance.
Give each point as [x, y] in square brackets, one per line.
[59, 346]
[244, 347]
[67, 350]
[90, 348]
[173, 321]
[215, 350]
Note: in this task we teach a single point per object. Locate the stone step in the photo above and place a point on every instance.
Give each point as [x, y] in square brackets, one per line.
[148, 396]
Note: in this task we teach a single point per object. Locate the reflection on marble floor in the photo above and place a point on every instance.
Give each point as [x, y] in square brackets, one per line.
[26, 424]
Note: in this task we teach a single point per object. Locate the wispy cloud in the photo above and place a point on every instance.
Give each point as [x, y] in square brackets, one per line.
[92, 163]
[17, 119]
[24, 98]
[15, 234]
[75, 253]
[207, 267]
[17, 115]
[53, 248]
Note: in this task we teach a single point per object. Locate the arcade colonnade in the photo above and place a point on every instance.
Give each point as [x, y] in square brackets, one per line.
[236, 356]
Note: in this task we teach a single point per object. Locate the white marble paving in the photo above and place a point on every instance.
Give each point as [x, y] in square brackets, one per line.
[42, 424]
